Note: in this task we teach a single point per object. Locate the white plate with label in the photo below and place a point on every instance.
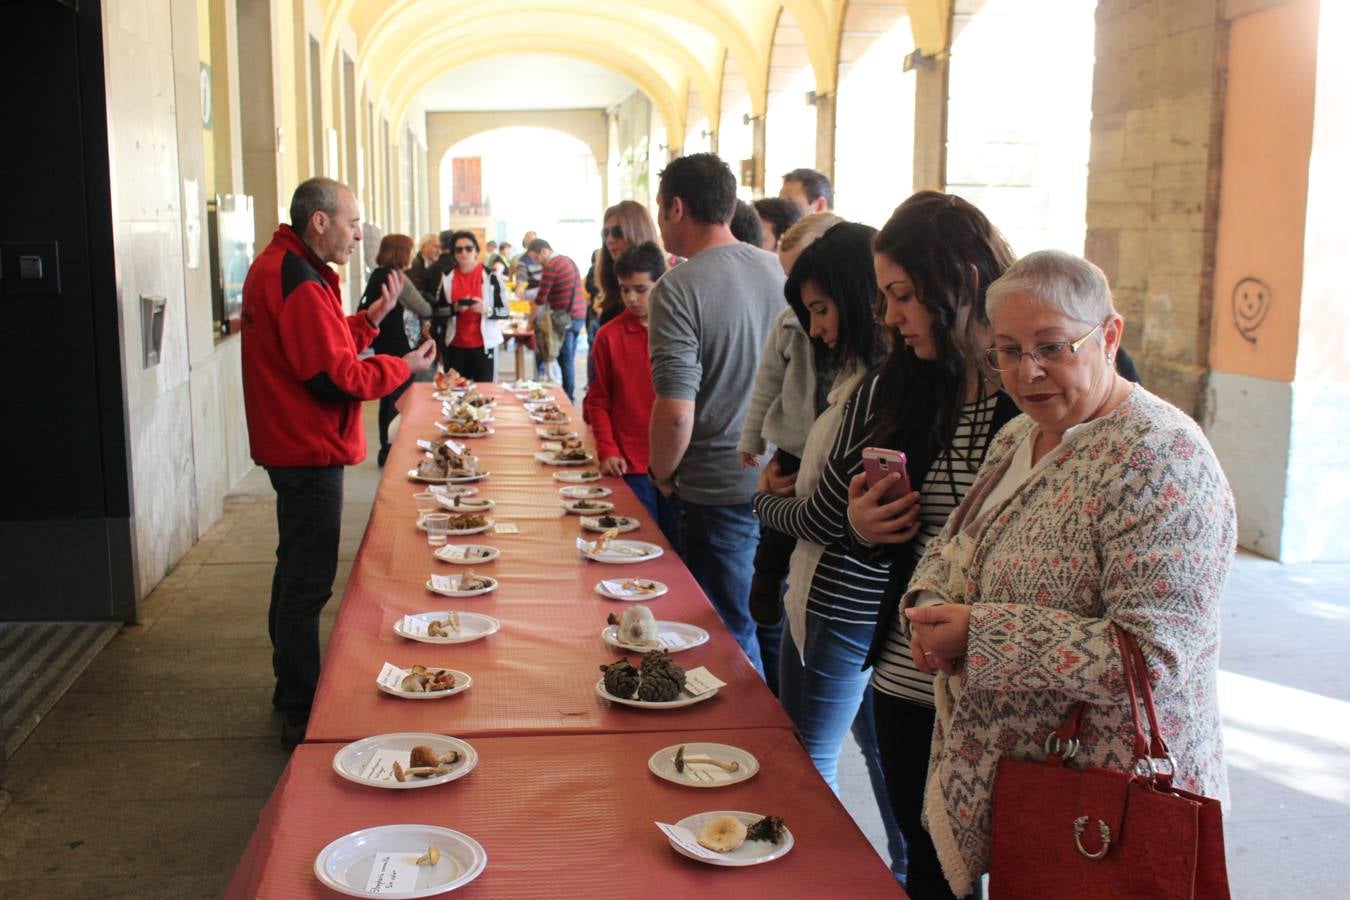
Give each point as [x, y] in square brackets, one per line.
[447, 491]
[556, 434]
[540, 405]
[623, 552]
[367, 761]
[346, 864]
[545, 420]
[586, 506]
[630, 589]
[452, 479]
[467, 554]
[463, 681]
[586, 477]
[444, 425]
[472, 626]
[580, 492]
[702, 775]
[470, 435]
[605, 523]
[684, 699]
[551, 458]
[455, 591]
[461, 504]
[751, 853]
[675, 636]
[458, 532]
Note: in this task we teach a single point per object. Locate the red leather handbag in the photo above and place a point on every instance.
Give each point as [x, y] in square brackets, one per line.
[1096, 833]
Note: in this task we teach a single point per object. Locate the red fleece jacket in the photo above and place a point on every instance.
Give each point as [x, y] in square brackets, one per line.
[303, 382]
[619, 398]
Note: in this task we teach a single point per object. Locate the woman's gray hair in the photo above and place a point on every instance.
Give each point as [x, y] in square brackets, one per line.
[1057, 281]
[315, 195]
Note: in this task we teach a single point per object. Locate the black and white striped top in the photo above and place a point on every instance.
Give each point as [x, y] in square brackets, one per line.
[947, 481]
[844, 588]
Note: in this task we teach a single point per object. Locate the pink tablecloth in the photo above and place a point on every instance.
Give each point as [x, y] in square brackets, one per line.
[538, 674]
[572, 816]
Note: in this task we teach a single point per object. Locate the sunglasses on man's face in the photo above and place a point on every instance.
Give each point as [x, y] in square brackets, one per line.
[466, 248]
[616, 232]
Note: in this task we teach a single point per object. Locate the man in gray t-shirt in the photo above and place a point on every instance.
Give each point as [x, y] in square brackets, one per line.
[709, 320]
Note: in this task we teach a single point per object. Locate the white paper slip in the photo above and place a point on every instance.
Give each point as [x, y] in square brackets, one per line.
[707, 774]
[380, 767]
[418, 624]
[424, 443]
[392, 676]
[685, 838]
[672, 640]
[550, 445]
[445, 582]
[392, 873]
[583, 544]
[506, 528]
[437, 488]
[456, 447]
[700, 681]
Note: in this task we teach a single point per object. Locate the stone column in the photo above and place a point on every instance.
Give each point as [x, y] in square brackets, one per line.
[825, 114]
[930, 124]
[757, 153]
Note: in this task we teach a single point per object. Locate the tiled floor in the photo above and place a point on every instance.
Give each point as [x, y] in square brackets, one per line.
[147, 778]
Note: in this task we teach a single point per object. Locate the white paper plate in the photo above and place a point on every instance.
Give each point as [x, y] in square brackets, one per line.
[444, 427]
[583, 492]
[456, 532]
[576, 477]
[477, 592]
[458, 554]
[751, 853]
[345, 864]
[352, 759]
[540, 420]
[454, 479]
[613, 589]
[548, 458]
[472, 626]
[462, 683]
[563, 434]
[625, 524]
[612, 556]
[452, 394]
[662, 765]
[489, 432]
[693, 637]
[586, 506]
[457, 492]
[540, 405]
[680, 701]
[468, 506]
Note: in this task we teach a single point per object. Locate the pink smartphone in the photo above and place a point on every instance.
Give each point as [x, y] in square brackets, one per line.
[878, 462]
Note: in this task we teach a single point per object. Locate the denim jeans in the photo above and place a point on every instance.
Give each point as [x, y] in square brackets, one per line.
[827, 695]
[661, 508]
[567, 352]
[309, 523]
[719, 549]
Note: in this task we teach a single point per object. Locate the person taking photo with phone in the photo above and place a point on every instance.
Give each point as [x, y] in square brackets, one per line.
[477, 299]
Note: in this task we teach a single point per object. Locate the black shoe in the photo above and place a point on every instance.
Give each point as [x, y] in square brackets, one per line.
[384, 455]
[293, 733]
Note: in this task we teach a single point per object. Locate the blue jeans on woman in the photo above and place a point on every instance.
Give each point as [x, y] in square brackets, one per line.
[827, 695]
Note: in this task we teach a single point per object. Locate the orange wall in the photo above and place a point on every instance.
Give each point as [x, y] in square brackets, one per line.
[1267, 142]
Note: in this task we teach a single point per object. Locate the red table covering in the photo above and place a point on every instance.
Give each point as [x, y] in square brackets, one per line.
[572, 816]
[538, 673]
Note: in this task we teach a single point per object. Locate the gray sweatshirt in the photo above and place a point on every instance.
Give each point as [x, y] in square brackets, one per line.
[783, 405]
[709, 319]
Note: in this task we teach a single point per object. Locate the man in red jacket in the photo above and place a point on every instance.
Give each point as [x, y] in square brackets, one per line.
[303, 387]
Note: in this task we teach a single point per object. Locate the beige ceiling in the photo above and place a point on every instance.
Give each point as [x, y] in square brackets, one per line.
[668, 48]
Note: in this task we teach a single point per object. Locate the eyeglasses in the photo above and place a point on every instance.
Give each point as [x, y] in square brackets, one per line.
[1009, 359]
[616, 232]
[466, 248]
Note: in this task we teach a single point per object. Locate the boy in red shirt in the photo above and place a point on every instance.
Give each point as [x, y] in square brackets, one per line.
[619, 397]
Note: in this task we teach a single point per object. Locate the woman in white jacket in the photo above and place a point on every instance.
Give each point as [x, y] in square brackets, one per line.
[477, 300]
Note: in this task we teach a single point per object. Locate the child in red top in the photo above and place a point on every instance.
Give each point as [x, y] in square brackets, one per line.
[619, 397]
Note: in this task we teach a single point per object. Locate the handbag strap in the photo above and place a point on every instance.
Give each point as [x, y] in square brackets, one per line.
[1153, 761]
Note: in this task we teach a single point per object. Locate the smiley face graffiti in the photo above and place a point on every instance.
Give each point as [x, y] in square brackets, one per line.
[1251, 305]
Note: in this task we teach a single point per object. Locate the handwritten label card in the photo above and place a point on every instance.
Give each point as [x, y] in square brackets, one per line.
[706, 774]
[506, 528]
[672, 640]
[701, 681]
[392, 873]
[445, 582]
[424, 444]
[685, 838]
[550, 445]
[380, 766]
[391, 676]
[438, 489]
[417, 625]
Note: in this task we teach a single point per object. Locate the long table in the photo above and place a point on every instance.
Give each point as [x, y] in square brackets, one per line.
[561, 799]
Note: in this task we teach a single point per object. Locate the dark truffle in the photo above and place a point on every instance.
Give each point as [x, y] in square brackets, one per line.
[769, 828]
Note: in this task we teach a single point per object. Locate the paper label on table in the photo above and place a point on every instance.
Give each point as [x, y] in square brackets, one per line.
[437, 488]
[380, 767]
[700, 681]
[455, 447]
[392, 676]
[585, 546]
[418, 625]
[425, 444]
[550, 445]
[506, 528]
[445, 582]
[685, 838]
[392, 873]
[702, 772]
[672, 640]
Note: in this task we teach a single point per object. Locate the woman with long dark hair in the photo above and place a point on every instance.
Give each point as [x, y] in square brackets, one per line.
[477, 299]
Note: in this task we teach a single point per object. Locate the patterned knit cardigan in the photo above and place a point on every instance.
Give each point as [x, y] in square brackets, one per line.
[1130, 523]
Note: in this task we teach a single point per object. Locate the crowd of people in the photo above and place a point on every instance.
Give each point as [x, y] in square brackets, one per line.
[747, 362]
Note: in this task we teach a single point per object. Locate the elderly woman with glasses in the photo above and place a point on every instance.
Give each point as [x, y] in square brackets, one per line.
[1103, 505]
[477, 299]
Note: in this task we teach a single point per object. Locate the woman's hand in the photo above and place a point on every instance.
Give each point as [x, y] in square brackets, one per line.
[773, 481]
[938, 635]
[614, 465]
[749, 460]
[882, 523]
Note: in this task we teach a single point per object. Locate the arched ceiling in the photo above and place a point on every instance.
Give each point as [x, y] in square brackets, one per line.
[666, 47]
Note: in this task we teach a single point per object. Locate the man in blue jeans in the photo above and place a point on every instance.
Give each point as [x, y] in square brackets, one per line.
[562, 294]
[709, 320]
